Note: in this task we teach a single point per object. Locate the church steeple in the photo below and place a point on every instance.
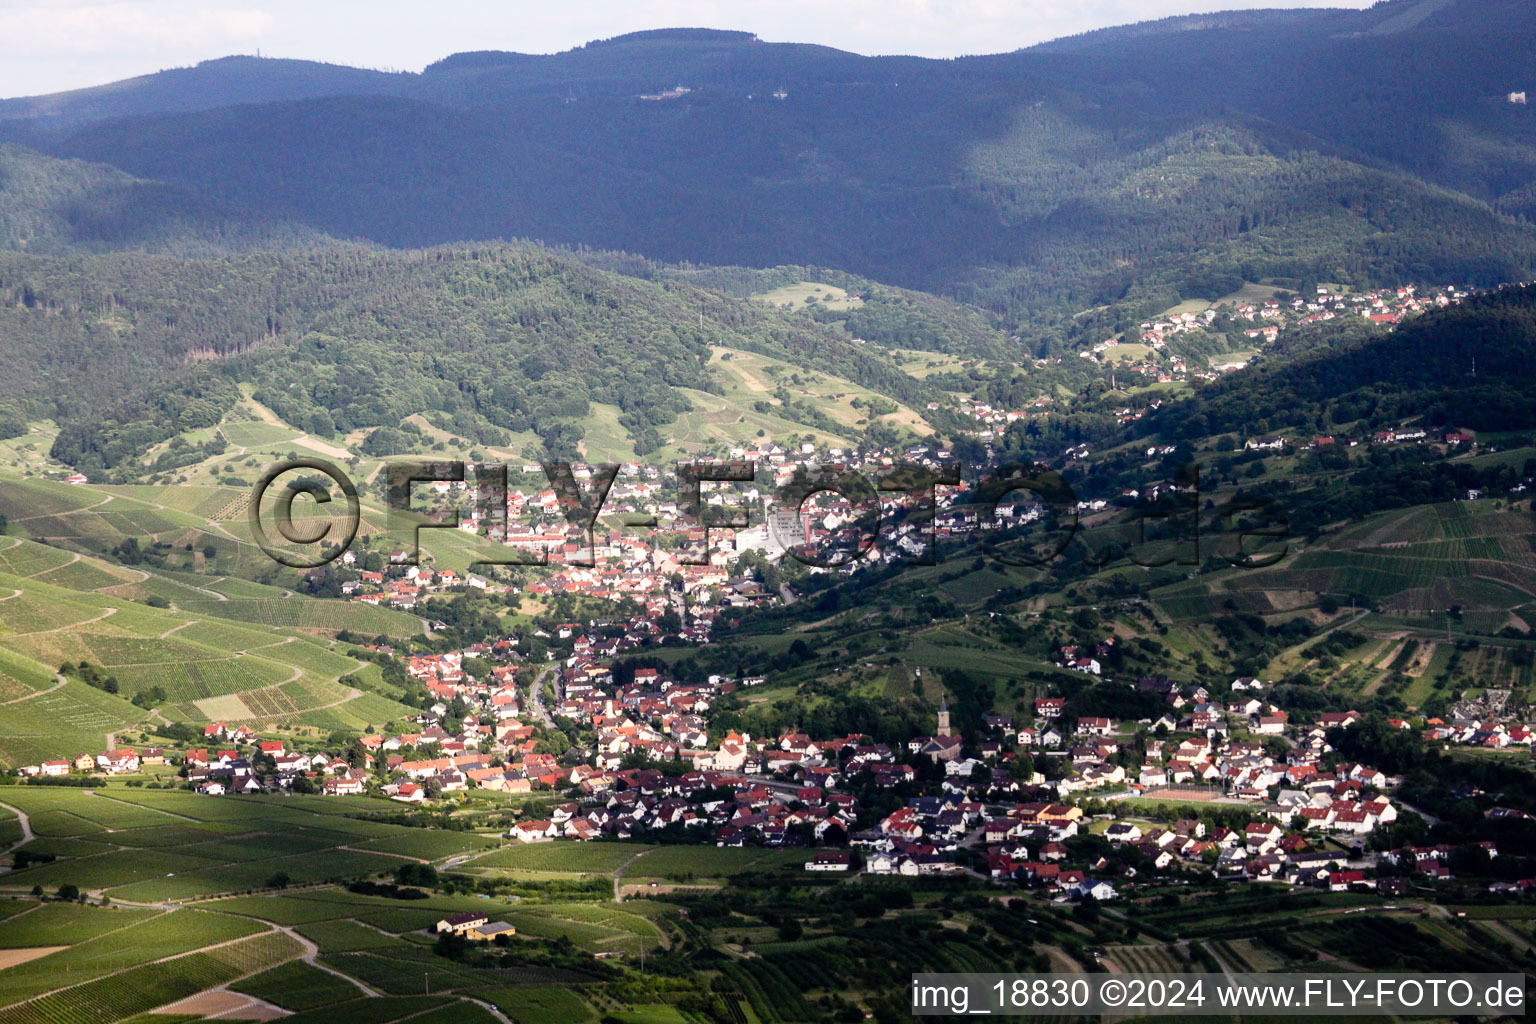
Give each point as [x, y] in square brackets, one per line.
[943, 715]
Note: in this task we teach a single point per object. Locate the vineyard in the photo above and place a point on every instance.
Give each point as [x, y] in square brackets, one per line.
[206, 668]
[416, 1009]
[57, 723]
[20, 677]
[143, 988]
[1158, 959]
[297, 986]
[311, 614]
[544, 1005]
[119, 948]
[772, 994]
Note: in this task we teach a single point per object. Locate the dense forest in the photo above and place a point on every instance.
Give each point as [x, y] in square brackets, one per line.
[54, 207]
[1135, 166]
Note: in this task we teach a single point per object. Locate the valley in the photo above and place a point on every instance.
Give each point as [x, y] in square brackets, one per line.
[820, 519]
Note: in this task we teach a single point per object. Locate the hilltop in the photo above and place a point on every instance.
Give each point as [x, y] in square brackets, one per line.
[1136, 163]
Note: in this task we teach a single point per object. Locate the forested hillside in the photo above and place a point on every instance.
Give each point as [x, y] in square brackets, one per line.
[126, 350]
[53, 207]
[1147, 163]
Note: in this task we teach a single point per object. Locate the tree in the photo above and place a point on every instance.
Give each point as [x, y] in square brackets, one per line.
[423, 875]
[68, 892]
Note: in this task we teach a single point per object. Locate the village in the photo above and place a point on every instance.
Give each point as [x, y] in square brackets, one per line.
[1144, 357]
[1072, 807]
[677, 565]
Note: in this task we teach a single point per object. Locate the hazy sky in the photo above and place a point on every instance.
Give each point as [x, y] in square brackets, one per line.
[50, 45]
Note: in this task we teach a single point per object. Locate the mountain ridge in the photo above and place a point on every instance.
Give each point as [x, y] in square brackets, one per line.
[1131, 167]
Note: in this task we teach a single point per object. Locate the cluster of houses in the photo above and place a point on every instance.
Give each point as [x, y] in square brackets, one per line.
[1029, 846]
[1388, 306]
[1485, 724]
[1295, 785]
[121, 761]
[796, 790]
[695, 573]
[734, 810]
[1269, 318]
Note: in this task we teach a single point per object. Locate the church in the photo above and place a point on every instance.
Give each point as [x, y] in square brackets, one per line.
[945, 746]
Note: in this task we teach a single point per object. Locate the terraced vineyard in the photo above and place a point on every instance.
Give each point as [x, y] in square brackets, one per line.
[208, 667]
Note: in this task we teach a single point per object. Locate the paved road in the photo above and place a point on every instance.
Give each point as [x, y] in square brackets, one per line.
[1429, 819]
[536, 698]
[488, 1008]
[311, 954]
[26, 834]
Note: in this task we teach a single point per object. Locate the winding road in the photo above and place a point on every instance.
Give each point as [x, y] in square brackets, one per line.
[58, 682]
[311, 956]
[27, 835]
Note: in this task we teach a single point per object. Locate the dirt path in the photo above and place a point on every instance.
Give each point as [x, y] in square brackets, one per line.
[202, 590]
[129, 803]
[74, 556]
[1513, 937]
[72, 625]
[58, 682]
[618, 876]
[241, 448]
[372, 927]
[323, 447]
[352, 694]
[381, 853]
[67, 512]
